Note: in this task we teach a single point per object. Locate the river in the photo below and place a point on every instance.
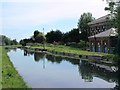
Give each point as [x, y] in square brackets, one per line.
[40, 70]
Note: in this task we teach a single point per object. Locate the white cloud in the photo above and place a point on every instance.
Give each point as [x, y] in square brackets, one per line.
[51, 10]
[21, 17]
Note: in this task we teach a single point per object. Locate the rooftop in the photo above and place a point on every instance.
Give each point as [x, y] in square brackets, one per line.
[101, 19]
[108, 33]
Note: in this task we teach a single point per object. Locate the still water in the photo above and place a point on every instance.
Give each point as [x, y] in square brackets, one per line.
[40, 70]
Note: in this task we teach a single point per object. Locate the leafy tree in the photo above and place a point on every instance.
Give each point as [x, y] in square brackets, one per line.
[5, 40]
[39, 38]
[118, 26]
[14, 42]
[71, 36]
[83, 24]
[114, 8]
[24, 42]
[65, 37]
[74, 35]
[36, 33]
[54, 36]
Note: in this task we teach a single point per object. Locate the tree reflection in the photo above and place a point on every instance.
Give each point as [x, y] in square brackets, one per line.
[25, 52]
[85, 71]
[88, 71]
[28, 53]
[38, 56]
[54, 59]
[72, 60]
[59, 59]
[8, 49]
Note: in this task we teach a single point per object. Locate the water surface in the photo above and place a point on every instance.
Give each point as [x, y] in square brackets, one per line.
[42, 70]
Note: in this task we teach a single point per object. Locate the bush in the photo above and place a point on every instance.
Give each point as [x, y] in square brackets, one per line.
[81, 44]
[116, 58]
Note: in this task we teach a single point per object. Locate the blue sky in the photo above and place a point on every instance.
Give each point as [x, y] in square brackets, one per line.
[21, 17]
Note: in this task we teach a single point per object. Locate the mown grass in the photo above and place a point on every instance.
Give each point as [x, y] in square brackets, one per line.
[10, 77]
[63, 48]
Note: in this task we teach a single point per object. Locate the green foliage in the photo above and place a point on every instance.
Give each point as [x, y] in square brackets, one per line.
[71, 36]
[118, 19]
[81, 45]
[111, 7]
[14, 42]
[69, 49]
[39, 38]
[25, 41]
[118, 26]
[36, 32]
[83, 23]
[7, 41]
[116, 58]
[54, 36]
[114, 8]
[74, 35]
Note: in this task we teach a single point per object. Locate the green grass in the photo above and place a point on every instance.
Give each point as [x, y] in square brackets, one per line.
[10, 77]
[62, 48]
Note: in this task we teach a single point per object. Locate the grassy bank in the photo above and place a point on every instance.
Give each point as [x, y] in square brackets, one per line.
[10, 77]
[62, 48]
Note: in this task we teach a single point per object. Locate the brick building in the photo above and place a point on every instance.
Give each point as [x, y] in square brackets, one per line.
[102, 37]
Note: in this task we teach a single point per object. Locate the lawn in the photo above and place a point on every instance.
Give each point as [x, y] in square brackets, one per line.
[63, 48]
[10, 77]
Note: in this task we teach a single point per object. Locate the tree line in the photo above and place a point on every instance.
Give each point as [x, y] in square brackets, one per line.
[7, 41]
[75, 35]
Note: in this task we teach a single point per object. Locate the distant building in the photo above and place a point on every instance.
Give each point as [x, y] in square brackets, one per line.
[103, 37]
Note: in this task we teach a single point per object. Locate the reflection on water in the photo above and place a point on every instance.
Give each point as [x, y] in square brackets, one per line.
[90, 74]
[9, 49]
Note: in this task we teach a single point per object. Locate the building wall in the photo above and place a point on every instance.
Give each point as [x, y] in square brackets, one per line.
[100, 45]
[98, 28]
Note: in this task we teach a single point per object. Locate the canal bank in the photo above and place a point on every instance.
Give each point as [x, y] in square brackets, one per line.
[10, 76]
[74, 53]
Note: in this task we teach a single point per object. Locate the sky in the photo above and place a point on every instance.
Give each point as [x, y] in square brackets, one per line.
[20, 18]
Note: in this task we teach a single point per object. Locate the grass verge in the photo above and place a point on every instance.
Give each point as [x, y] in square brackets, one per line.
[10, 76]
[63, 48]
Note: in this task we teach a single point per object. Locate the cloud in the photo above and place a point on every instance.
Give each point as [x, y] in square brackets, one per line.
[21, 14]
[21, 17]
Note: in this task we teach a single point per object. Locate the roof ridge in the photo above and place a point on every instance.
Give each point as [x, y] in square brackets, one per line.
[104, 33]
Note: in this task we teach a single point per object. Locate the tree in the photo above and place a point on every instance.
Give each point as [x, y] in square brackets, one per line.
[54, 36]
[23, 42]
[5, 40]
[74, 35]
[83, 24]
[36, 32]
[14, 42]
[114, 8]
[118, 26]
[65, 37]
[39, 38]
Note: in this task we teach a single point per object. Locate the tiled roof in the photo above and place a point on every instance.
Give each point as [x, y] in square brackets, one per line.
[99, 20]
[107, 33]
